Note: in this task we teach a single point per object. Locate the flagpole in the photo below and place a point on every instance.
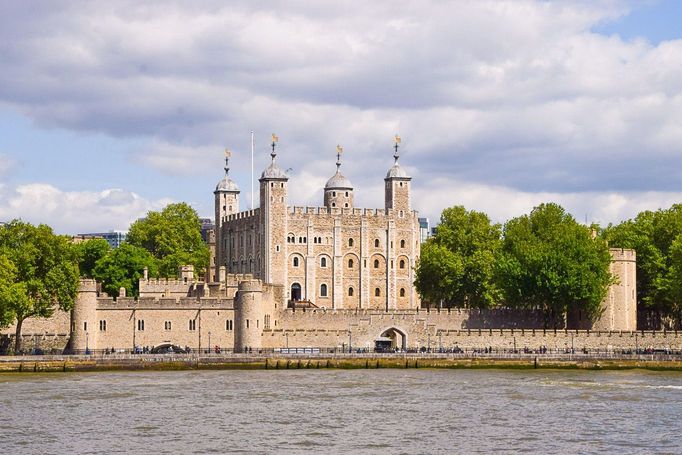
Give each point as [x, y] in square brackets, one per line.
[252, 147]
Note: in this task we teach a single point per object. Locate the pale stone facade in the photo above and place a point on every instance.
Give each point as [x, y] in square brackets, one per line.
[320, 277]
[336, 256]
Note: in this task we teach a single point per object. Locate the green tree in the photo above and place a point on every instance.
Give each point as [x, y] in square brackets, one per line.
[173, 237]
[550, 261]
[8, 290]
[43, 271]
[88, 253]
[457, 264]
[122, 268]
[657, 239]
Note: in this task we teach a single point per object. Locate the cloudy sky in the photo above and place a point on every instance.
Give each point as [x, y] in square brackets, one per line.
[111, 109]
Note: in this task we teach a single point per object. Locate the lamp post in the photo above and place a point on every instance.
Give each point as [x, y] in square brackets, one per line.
[440, 340]
[636, 344]
[286, 335]
[572, 349]
[428, 342]
[350, 340]
[87, 350]
[209, 341]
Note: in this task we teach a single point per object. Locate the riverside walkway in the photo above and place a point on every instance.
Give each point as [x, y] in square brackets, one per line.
[323, 360]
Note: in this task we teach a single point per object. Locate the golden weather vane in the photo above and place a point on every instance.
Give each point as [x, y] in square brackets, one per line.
[228, 153]
[339, 149]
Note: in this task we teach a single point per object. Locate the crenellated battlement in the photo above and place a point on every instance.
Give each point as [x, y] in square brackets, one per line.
[251, 286]
[253, 213]
[322, 211]
[623, 255]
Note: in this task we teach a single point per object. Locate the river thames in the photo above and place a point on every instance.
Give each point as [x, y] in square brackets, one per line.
[342, 411]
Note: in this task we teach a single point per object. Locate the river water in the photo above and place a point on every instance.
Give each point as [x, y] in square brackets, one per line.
[342, 411]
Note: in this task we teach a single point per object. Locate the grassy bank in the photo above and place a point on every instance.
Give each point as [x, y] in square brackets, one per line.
[239, 362]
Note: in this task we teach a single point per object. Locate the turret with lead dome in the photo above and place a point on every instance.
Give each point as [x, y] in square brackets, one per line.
[338, 192]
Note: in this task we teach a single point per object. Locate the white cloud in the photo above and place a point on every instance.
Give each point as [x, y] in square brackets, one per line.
[514, 100]
[503, 203]
[74, 212]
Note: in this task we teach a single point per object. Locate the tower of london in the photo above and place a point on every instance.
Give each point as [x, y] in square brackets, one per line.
[333, 276]
[336, 256]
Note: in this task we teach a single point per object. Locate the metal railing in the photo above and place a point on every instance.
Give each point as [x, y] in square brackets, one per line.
[471, 353]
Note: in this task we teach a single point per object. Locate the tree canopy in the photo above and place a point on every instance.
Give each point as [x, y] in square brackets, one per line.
[88, 253]
[550, 261]
[173, 237]
[41, 273]
[122, 268]
[457, 264]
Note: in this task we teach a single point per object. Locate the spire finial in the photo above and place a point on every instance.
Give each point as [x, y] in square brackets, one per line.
[339, 151]
[396, 142]
[275, 139]
[228, 155]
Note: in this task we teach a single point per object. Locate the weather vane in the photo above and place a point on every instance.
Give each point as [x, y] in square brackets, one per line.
[339, 151]
[275, 139]
[228, 155]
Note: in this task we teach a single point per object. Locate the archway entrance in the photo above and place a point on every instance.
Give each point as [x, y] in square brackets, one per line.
[391, 340]
[295, 292]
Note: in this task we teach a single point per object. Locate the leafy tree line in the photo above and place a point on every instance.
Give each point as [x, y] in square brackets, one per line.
[39, 271]
[162, 242]
[545, 260]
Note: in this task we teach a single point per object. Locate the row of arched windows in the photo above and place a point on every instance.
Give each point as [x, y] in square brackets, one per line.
[296, 262]
[351, 242]
[377, 291]
[351, 263]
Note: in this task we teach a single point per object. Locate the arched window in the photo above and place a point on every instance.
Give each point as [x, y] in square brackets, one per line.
[377, 292]
[350, 292]
[350, 263]
[376, 243]
[333, 204]
[376, 263]
[323, 262]
[350, 242]
[402, 292]
[346, 204]
[323, 290]
[346, 193]
[334, 193]
[402, 263]
[402, 244]
[295, 262]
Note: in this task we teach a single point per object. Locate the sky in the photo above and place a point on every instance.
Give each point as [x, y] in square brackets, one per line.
[111, 109]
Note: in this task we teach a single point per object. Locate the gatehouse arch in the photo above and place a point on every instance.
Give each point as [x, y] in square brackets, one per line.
[391, 339]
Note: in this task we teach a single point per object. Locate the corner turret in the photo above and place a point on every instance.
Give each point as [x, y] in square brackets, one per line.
[271, 266]
[84, 318]
[226, 203]
[397, 189]
[338, 192]
[248, 310]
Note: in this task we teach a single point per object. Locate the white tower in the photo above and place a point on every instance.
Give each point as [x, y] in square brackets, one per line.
[338, 192]
[226, 204]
